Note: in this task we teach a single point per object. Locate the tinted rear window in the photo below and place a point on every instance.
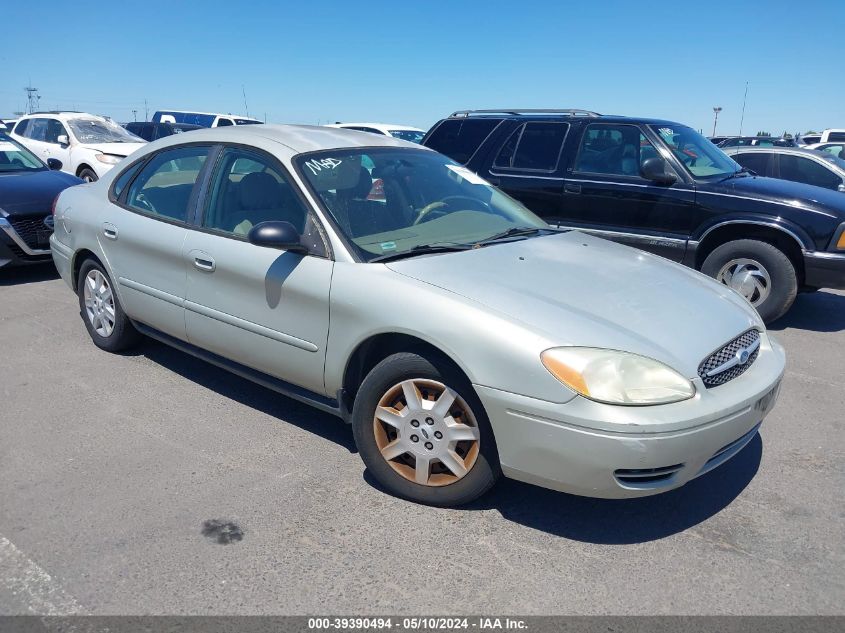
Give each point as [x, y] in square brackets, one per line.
[459, 138]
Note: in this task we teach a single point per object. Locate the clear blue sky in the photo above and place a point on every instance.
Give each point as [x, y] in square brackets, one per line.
[414, 62]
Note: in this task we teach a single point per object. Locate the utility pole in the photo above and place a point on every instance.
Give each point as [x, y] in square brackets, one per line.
[146, 112]
[744, 99]
[716, 111]
[246, 107]
[134, 114]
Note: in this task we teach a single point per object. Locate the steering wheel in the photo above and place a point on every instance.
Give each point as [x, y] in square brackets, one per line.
[446, 202]
[142, 200]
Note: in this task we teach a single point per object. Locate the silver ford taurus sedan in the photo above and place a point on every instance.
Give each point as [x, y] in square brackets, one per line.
[461, 336]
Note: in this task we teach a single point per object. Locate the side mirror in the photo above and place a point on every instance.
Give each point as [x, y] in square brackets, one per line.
[54, 163]
[280, 235]
[654, 169]
[62, 139]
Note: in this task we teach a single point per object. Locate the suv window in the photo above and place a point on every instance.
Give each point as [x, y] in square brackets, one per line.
[459, 138]
[613, 149]
[21, 128]
[224, 122]
[536, 145]
[164, 186]
[836, 136]
[758, 162]
[806, 170]
[54, 130]
[248, 190]
[37, 129]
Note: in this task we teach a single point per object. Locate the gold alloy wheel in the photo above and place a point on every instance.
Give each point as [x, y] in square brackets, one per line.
[426, 432]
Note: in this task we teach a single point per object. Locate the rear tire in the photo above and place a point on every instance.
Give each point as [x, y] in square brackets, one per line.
[107, 324]
[760, 271]
[433, 412]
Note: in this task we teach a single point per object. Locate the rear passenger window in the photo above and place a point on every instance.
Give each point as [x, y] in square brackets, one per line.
[249, 190]
[459, 138]
[806, 170]
[164, 186]
[535, 146]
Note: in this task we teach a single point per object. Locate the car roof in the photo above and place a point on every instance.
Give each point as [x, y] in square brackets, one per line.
[65, 115]
[387, 126]
[298, 138]
[562, 115]
[233, 116]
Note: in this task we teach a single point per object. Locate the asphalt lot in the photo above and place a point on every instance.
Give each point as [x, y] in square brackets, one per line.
[110, 465]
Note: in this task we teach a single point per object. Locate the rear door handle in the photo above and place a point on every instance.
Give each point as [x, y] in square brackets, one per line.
[572, 187]
[109, 230]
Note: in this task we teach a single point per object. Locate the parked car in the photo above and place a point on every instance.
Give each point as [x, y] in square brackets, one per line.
[718, 139]
[202, 119]
[662, 187]
[468, 338]
[797, 164]
[86, 144]
[28, 188]
[832, 135]
[403, 132]
[807, 139]
[763, 141]
[835, 149]
[150, 131]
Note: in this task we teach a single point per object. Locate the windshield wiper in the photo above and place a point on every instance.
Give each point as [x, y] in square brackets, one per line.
[735, 174]
[512, 232]
[422, 249]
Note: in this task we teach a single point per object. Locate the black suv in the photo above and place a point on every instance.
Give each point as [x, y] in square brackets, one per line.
[662, 187]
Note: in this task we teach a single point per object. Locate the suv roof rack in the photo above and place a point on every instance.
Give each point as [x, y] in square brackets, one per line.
[568, 111]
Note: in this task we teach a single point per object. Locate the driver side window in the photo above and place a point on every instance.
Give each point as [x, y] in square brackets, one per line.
[617, 150]
[164, 186]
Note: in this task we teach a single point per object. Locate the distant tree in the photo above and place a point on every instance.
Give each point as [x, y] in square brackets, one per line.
[763, 134]
[787, 135]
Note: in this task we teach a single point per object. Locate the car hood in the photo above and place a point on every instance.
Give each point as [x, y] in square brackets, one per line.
[796, 194]
[118, 149]
[575, 289]
[32, 192]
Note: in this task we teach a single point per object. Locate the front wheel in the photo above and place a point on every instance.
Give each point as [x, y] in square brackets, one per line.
[423, 433]
[759, 271]
[88, 175]
[107, 324]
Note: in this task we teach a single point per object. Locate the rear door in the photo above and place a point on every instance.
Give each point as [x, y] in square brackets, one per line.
[143, 231]
[605, 194]
[261, 307]
[528, 166]
[761, 163]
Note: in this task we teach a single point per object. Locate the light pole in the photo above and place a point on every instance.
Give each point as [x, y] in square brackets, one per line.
[716, 111]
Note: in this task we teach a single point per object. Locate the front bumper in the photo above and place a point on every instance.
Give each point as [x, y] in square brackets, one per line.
[598, 450]
[14, 251]
[824, 270]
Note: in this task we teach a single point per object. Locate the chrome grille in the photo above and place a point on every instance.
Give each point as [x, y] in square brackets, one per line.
[751, 338]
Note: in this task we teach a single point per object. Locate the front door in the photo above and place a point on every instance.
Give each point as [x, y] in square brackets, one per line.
[605, 193]
[143, 233]
[261, 307]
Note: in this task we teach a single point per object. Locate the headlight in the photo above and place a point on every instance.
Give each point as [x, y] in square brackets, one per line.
[615, 377]
[109, 159]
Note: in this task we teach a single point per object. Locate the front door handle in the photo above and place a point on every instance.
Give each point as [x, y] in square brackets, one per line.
[204, 262]
[572, 187]
[109, 230]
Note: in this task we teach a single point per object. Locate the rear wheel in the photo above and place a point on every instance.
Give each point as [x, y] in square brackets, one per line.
[108, 326]
[423, 433]
[759, 271]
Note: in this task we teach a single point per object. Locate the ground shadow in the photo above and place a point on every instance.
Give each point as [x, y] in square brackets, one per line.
[817, 311]
[625, 521]
[250, 394]
[32, 273]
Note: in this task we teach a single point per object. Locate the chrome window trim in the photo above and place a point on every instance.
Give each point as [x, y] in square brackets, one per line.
[758, 223]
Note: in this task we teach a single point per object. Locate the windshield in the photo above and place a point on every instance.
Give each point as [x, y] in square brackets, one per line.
[101, 131]
[390, 200]
[414, 136]
[15, 157]
[700, 157]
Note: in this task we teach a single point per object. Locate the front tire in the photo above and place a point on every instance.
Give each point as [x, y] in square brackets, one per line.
[423, 433]
[107, 324]
[759, 271]
[88, 175]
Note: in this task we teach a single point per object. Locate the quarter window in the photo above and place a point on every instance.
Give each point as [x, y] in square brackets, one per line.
[248, 190]
[535, 146]
[164, 186]
[617, 150]
[22, 128]
[806, 170]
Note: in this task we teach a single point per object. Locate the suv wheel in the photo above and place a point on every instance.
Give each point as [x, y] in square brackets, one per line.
[422, 432]
[759, 271]
[88, 175]
[107, 324]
